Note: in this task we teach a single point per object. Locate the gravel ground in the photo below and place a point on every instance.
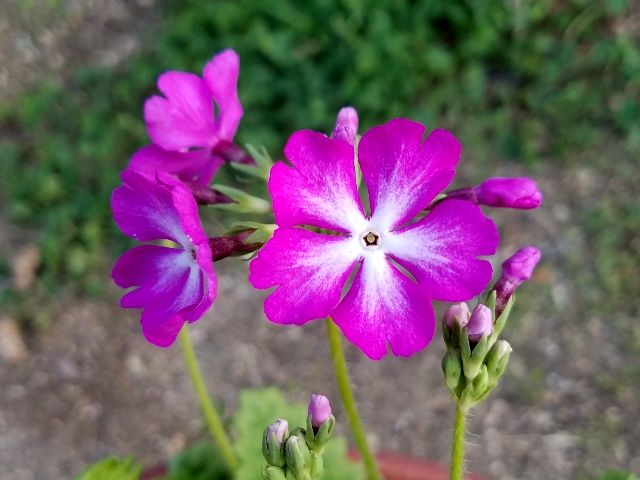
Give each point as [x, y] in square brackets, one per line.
[91, 386]
[46, 39]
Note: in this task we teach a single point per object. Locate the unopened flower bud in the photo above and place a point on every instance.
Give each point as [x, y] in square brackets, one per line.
[519, 192]
[515, 270]
[452, 370]
[272, 442]
[498, 358]
[480, 324]
[346, 125]
[271, 472]
[319, 410]
[232, 152]
[515, 192]
[297, 455]
[457, 314]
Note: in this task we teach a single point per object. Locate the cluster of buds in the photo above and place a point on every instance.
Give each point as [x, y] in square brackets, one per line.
[476, 358]
[297, 455]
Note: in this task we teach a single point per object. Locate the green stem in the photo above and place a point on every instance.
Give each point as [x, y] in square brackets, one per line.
[457, 445]
[211, 415]
[344, 385]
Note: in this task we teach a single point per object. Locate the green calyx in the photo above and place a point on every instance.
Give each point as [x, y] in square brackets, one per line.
[472, 371]
[299, 455]
[317, 438]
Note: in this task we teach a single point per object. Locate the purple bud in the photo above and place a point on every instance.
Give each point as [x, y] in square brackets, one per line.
[346, 125]
[457, 314]
[480, 324]
[280, 428]
[517, 192]
[515, 270]
[319, 410]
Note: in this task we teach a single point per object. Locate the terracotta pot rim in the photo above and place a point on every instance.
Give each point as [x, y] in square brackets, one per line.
[393, 466]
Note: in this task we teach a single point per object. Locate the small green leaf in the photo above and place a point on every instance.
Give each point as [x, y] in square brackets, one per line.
[113, 468]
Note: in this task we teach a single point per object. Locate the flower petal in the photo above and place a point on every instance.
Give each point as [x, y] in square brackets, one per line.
[171, 287]
[384, 306]
[441, 249]
[320, 190]
[145, 210]
[404, 174]
[221, 76]
[161, 334]
[184, 118]
[309, 270]
[204, 258]
[161, 274]
[197, 166]
[187, 208]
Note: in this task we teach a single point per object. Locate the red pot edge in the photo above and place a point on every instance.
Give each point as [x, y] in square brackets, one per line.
[398, 466]
[393, 466]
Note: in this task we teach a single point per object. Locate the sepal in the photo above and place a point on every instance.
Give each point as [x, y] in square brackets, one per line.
[263, 163]
[243, 202]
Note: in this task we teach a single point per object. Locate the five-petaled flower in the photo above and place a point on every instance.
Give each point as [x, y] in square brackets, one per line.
[176, 284]
[404, 259]
[183, 126]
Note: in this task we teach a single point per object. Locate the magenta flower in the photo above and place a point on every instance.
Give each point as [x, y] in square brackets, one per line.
[383, 306]
[516, 192]
[191, 119]
[174, 284]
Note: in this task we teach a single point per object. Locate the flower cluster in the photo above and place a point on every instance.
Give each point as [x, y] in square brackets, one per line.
[298, 454]
[476, 358]
[189, 126]
[373, 262]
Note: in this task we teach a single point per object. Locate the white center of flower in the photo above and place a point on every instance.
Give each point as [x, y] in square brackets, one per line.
[370, 240]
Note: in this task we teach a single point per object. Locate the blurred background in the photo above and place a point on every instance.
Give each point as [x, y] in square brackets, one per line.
[548, 89]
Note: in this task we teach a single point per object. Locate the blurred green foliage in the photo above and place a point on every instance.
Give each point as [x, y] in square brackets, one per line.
[618, 475]
[113, 469]
[521, 80]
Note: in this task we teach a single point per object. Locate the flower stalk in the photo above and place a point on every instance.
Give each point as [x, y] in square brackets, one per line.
[349, 402]
[239, 243]
[211, 415]
[457, 444]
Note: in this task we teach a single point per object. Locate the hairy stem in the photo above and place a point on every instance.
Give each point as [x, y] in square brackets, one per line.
[457, 445]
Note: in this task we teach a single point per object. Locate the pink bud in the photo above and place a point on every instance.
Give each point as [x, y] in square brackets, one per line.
[319, 409]
[280, 428]
[515, 270]
[480, 324]
[518, 192]
[346, 125]
[457, 314]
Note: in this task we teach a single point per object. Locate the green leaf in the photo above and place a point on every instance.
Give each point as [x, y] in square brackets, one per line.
[199, 462]
[258, 409]
[113, 468]
[617, 475]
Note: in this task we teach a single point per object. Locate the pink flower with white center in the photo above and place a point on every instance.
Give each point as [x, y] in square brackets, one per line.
[174, 284]
[183, 125]
[383, 306]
